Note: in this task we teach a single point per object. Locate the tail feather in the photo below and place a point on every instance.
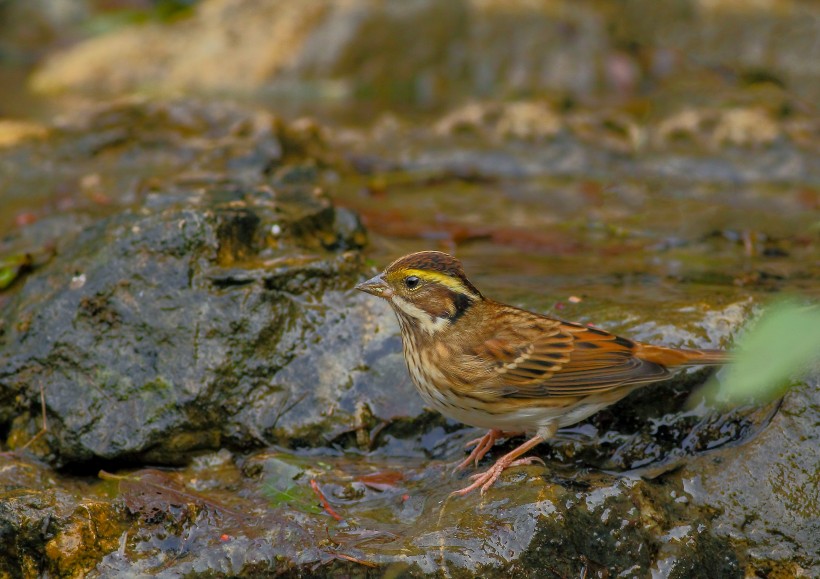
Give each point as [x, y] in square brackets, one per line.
[672, 357]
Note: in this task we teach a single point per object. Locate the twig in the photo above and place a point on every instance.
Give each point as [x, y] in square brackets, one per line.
[44, 429]
[322, 499]
[353, 559]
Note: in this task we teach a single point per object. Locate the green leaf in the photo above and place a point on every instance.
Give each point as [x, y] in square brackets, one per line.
[12, 267]
[7, 275]
[782, 347]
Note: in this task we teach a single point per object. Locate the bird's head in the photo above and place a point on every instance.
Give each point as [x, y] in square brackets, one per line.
[428, 289]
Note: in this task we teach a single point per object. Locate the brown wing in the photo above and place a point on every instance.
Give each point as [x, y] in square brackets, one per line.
[541, 357]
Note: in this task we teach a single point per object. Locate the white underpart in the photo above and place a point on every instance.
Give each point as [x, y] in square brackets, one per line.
[531, 420]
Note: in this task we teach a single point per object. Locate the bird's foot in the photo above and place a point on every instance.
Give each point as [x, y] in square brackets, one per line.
[485, 480]
[482, 446]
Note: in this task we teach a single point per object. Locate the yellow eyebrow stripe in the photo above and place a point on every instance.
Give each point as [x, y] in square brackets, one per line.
[441, 278]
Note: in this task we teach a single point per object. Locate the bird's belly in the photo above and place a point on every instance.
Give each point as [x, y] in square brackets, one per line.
[529, 419]
[524, 419]
[477, 413]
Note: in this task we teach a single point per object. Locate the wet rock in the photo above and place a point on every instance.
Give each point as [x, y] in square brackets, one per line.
[24, 520]
[12, 132]
[262, 514]
[90, 532]
[149, 339]
[55, 532]
[198, 317]
[98, 161]
[568, 521]
[529, 140]
[765, 492]
[46, 528]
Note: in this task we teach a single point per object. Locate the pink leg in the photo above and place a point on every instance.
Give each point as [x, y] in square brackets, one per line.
[486, 479]
[483, 446]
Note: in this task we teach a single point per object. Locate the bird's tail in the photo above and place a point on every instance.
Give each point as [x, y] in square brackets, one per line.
[671, 357]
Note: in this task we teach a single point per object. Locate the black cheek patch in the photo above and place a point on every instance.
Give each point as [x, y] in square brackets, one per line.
[462, 303]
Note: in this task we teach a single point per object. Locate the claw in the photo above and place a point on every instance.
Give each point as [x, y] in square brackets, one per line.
[528, 460]
[475, 441]
[483, 445]
[485, 479]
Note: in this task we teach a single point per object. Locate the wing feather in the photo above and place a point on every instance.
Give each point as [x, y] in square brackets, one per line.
[545, 358]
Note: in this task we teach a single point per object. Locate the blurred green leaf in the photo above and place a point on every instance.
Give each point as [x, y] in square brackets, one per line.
[12, 267]
[781, 347]
[7, 275]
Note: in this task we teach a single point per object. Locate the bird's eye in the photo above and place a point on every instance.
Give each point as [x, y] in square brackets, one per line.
[411, 281]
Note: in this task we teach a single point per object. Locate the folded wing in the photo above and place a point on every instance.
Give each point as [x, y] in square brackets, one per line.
[542, 357]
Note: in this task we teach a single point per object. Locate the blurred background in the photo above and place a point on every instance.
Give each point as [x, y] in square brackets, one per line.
[362, 57]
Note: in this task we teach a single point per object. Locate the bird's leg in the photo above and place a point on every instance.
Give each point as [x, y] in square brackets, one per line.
[483, 446]
[496, 434]
[486, 479]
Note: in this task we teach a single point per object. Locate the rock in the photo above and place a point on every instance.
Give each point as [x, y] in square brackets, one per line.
[196, 319]
[45, 526]
[528, 121]
[13, 132]
[765, 493]
[740, 127]
[697, 518]
[189, 326]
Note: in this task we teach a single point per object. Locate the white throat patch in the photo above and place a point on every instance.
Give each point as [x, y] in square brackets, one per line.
[425, 321]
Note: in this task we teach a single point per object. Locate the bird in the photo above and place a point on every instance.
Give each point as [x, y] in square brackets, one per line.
[512, 371]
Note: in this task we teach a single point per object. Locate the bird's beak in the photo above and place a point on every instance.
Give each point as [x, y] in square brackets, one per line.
[376, 286]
